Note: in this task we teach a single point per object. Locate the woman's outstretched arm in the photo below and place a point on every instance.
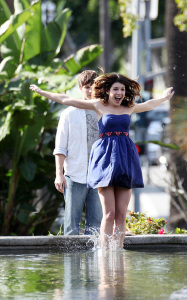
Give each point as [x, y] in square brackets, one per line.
[151, 104]
[65, 99]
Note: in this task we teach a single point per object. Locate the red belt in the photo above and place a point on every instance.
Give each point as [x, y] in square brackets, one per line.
[115, 133]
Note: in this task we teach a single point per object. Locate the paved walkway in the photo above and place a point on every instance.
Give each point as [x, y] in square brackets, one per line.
[154, 198]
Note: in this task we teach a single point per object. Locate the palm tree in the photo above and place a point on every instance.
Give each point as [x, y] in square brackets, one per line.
[176, 71]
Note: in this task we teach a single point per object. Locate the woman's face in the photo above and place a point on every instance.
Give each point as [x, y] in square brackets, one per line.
[116, 94]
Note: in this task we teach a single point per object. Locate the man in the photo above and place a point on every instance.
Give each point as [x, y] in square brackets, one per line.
[77, 131]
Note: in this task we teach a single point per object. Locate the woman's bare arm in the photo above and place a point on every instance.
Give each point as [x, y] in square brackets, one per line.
[65, 99]
[151, 104]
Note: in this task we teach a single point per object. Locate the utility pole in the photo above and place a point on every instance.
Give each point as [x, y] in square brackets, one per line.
[104, 35]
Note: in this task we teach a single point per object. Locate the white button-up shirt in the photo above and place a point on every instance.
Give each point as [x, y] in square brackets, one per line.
[71, 140]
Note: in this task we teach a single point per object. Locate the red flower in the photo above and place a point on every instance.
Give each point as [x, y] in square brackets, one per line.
[161, 231]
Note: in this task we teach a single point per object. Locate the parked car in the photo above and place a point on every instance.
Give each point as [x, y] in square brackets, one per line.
[154, 131]
[157, 120]
[158, 114]
[154, 152]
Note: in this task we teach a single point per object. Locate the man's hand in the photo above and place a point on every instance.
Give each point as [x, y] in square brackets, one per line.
[59, 182]
[35, 88]
[168, 93]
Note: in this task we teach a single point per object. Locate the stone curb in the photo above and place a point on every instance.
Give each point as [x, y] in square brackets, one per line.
[46, 243]
[168, 242]
[84, 242]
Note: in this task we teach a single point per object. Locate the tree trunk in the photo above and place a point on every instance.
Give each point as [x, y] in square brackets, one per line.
[176, 71]
[104, 35]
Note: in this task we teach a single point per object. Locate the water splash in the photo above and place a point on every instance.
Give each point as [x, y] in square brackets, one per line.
[112, 241]
[95, 239]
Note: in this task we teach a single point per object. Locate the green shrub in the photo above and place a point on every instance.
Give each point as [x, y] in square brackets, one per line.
[141, 224]
[180, 231]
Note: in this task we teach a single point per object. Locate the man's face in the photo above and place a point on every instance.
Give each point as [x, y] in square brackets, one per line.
[86, 91]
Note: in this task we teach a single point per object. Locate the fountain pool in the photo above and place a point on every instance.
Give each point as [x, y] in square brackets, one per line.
[93, 275]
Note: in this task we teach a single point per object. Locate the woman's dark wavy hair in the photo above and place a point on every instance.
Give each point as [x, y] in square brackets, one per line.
[103, 83]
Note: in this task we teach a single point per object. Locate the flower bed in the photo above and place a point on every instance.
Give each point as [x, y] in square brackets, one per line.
[141, 224]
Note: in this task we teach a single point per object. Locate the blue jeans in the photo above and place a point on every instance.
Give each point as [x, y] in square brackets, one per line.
[75, 196]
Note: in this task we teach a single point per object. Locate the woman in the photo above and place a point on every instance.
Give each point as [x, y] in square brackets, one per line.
[114, 167]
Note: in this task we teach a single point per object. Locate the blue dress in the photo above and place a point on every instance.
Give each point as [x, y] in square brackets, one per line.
[114, 159]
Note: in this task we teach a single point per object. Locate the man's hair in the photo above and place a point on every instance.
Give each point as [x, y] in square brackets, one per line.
[87, 77]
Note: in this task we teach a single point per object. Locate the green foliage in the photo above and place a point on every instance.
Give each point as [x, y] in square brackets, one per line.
[33, 40]
[25, 135]
[29, 201]
[141, 224]
[60, 232]
[180, 231]
[180, 19]
[75, 62]
[83, 28]
[12, 24]
[170, 146]
[129, 19]
[7, 67]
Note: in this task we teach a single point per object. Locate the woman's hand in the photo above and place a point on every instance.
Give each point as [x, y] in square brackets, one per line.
[60, 181]
[168, 93]
[35, 88]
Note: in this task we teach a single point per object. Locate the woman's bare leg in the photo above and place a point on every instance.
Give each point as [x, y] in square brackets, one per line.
[107, 198]
[122, 198]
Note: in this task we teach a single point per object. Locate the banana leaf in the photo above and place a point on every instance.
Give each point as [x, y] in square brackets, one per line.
[28, 169]
[5, 128]
[12, 45]
[12, 24]
[171, 146]
[33, 33]
[84, 56]
[4, 12]
[87, 54]
[7, 67]
[54, 34]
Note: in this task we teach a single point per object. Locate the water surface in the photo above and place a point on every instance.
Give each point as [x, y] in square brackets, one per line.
[93, 275]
